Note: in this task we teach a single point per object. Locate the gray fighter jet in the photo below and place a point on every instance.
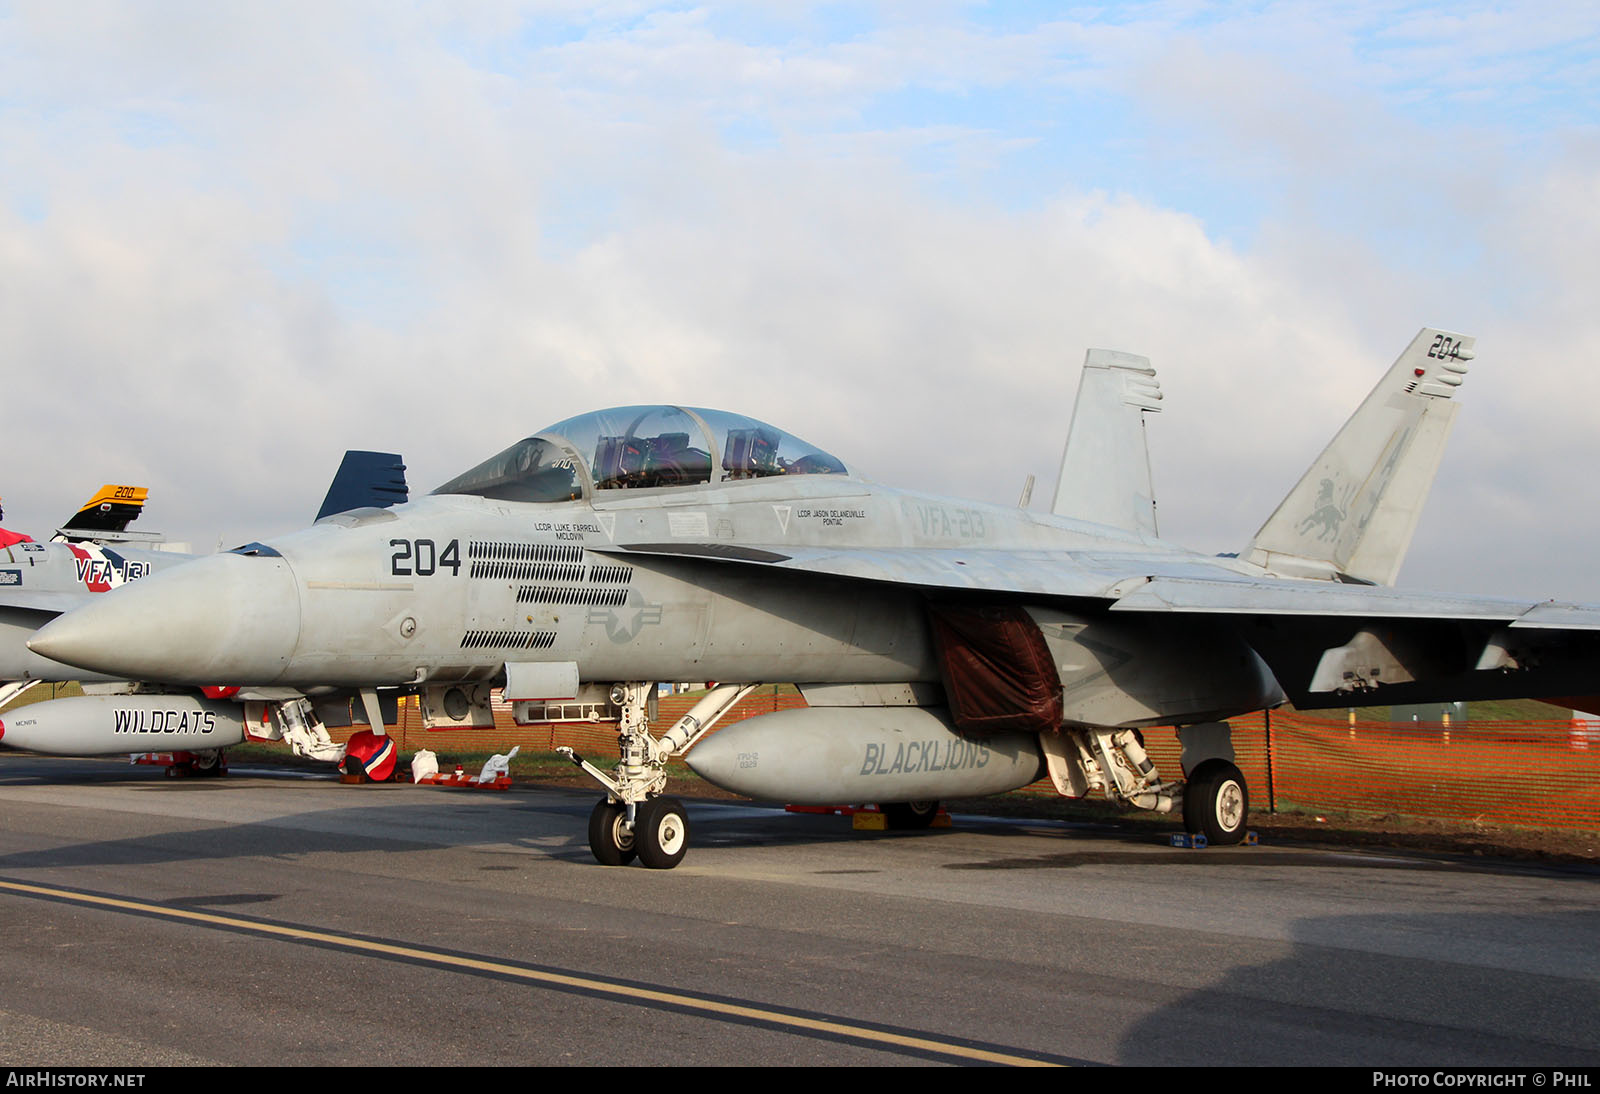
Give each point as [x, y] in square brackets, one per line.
[945, 648]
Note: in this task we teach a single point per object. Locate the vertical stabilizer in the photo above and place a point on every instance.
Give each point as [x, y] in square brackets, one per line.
[109, 512]
[1105, 470]
[1353, 514]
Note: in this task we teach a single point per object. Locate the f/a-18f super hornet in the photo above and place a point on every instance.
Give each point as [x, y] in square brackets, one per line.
[93, 553]
[945, 648]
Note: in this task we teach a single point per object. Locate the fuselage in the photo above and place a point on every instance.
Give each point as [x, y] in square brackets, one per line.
[39, 581]
[666, 584]
[665, 544]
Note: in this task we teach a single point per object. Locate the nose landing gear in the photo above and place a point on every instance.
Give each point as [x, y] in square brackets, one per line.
[634, 819]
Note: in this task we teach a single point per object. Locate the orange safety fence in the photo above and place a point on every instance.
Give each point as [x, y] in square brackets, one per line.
[1539, 773]
[1531, 773]
[1542, 773]
[590, 739]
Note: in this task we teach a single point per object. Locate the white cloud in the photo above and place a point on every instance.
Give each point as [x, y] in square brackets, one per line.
[233, 244]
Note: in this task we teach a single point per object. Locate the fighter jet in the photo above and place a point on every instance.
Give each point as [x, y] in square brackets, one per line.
[945, 648]
[88, 556]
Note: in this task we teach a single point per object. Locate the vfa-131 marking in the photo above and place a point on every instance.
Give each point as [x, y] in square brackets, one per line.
[637, 545]
[101, 569]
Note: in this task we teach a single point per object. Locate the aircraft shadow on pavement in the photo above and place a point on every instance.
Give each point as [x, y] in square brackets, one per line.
[1513, 989]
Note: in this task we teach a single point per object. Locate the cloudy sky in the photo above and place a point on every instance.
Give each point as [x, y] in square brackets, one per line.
[236, 239]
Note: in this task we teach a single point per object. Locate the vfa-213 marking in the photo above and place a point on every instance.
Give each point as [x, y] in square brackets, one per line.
[940, 522]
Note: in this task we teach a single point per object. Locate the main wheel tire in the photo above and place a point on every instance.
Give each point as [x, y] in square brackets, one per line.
[609, 837]
[909, 814]
[661, 833]
[1216, 803]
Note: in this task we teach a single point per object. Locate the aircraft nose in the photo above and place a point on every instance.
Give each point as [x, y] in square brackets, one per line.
[227, 619]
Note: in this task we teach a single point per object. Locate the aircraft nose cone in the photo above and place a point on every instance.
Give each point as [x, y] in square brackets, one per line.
[227, 619]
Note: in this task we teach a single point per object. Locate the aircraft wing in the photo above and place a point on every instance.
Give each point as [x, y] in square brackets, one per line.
[1328, 643]
[50, 601]
[1177, 583]
[1036, 573]
[1245, 596]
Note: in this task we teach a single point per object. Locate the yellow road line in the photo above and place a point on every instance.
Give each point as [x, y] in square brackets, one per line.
[625, 992]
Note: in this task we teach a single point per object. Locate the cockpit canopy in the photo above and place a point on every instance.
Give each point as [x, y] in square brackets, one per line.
[636, 447]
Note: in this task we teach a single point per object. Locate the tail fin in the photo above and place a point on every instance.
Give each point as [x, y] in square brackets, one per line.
[1353, 514]
[366, 479]
[111, 510]
[1105, 470]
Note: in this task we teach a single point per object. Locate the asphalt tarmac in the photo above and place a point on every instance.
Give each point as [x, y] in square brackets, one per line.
[272, 919]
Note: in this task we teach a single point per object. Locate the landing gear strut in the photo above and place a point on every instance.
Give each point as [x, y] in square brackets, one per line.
[1214, 799]
[634, 819]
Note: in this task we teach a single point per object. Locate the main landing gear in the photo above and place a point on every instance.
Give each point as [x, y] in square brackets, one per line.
[634, 819]
[207, 763]
[1216, 803]
[910, 815]
[1214, 798]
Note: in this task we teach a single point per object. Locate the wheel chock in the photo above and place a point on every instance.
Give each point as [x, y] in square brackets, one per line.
[1197, 842]
[178, 764]
[863, 818]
